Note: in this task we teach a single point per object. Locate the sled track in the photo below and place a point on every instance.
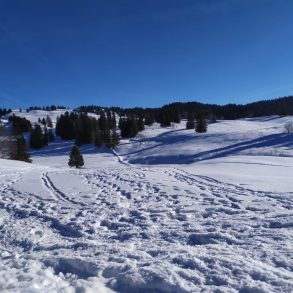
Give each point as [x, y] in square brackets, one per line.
[54, 191]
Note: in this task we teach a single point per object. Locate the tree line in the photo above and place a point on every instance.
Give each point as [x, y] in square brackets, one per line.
[199, 123]
[45, 108]
[4, 111]
[85, 129]
[168, 113]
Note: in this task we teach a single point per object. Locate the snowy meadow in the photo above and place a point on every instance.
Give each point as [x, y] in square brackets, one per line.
[170, 210]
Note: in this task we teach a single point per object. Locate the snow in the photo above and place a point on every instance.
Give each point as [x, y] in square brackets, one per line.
[168, 211]
[35, 115]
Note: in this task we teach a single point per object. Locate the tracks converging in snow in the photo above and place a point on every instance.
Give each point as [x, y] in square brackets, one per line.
[159, 229]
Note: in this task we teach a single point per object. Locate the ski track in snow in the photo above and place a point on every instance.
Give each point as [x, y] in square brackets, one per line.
[150, 230]
[56, 193]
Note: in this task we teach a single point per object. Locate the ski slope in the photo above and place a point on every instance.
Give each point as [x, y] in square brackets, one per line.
[168, 211]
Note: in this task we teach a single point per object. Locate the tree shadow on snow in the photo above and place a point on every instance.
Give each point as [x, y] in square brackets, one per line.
[273, 140]
[63, 147]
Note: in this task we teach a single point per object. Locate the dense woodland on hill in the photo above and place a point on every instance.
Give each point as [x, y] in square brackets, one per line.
[280, 106]
[102, 130]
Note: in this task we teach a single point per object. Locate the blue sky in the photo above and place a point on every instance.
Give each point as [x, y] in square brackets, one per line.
[144, 52]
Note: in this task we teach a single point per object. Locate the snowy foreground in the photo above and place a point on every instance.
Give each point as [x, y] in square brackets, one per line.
[171, 211]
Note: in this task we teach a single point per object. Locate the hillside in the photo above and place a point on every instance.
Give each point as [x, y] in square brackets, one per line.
[168, 211]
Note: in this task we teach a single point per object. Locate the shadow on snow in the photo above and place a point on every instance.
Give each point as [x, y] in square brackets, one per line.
[273, 140]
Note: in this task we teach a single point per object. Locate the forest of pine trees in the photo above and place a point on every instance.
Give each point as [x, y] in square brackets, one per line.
[85, 129]
[19, 150]
[38, 139]
[165, 115]
[19, 125]
[4, 111]
[45, 108]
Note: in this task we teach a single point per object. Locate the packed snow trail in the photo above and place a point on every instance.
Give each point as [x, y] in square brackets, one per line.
[134, 229]
[55, 191]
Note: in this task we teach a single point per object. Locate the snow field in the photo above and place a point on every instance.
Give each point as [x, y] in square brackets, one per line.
[168, 211]
[137, 228]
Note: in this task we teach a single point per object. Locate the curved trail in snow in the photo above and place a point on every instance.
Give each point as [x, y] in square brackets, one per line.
[54, 191]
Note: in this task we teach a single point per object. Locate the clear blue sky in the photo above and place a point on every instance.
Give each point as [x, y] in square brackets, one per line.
[144, 52]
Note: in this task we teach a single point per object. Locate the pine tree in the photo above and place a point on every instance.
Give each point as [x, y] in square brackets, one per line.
[20, 152]
[140, 124]
[112, 140]
[190, 124]
[49, 122]
[149, 119]
[120, 122]
[98, 138]
[165, 120]
[37, 138]
[75, 158]
[103, 123]
[128, 127]
[201, 124]
[19, 125]
[45, 137]
[51, 136]
[113, 121]
[176, 117]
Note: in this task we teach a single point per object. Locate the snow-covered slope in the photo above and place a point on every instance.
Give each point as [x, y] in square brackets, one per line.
[35, 115]
[261, 137]
[170, 211]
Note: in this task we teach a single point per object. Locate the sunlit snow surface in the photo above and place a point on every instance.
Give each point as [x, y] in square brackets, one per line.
[171, 211]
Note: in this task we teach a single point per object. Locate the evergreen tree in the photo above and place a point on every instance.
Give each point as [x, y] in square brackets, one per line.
[65, 126]
[140, 124]
[190, 124]
[128, 127]
[20, 153]
[45, 137]
[120, 122]
[37, 138]
[98, 138]
[165, 120]
[75, 158]
[19, 125]
[58, 126]
[176, 117]
[112, 140]
[84, 129]
[113, 121]
[49, 122]
[201, 124]
[51, 136]
[103, 123]
[149, 119]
